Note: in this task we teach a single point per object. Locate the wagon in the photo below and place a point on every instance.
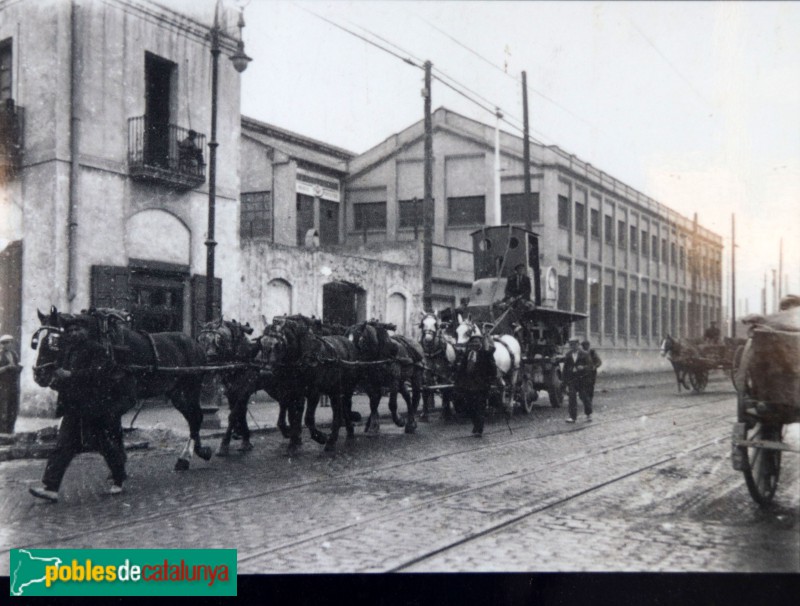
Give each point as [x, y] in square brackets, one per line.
[693, 360]
[767, 379]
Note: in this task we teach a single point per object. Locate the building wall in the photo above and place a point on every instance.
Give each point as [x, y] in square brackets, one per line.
[110, 89]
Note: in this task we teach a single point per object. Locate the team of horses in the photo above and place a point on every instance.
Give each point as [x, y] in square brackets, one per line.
[296, 360]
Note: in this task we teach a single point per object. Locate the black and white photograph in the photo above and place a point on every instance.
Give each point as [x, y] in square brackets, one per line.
[402, 286]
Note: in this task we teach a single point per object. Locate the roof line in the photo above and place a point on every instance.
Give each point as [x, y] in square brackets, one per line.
[292, 137]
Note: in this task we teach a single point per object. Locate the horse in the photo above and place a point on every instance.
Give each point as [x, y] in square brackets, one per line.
[302, 365]
[676, 352]
[440, 360]
[171, 349]
[389, 361]
[507, 356]
[227, 342]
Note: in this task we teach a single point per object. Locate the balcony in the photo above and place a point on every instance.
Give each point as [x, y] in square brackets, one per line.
[12, 121]
[165, 154]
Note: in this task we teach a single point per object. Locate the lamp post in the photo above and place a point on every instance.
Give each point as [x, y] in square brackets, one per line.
[240, 61]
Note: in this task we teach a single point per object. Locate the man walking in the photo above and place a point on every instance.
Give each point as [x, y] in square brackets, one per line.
[475, 373]
[576, 368]
[91, 419]
[595, 363]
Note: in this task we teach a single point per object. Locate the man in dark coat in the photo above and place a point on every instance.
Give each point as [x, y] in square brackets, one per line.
[9, 385]
[475, 373]
[711, 334]
[576, 369]
[596, 363]
[518, 286]
[91, 419]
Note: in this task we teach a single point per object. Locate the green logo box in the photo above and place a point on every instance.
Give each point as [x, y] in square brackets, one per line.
[123, 572]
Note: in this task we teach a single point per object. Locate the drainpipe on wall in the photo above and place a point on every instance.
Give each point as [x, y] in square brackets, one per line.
[74, 147]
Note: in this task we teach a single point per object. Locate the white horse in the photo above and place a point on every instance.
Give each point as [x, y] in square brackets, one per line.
[507, 355]
[440, 358]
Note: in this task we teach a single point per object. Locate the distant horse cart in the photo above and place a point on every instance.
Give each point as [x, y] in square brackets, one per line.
[767, 379]
[693, 360]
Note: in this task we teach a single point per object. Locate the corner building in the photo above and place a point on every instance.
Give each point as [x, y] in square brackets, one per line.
[636, 268]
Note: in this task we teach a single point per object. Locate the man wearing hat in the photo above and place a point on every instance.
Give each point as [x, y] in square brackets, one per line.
[9, 385]
[576, 368]
[475, 373]
[91, 421]
[518, 287]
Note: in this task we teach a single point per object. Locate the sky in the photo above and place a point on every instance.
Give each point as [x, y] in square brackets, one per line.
[696, 104]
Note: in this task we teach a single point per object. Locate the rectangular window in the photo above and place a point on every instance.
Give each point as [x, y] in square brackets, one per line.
[645, 319]
[621, 234]
[466, 210]
[621, 312]
[654, 315]
[594, 222]
[594, 308]
[410, 213]
[664, 255]
[160, 75]
[6, 63]
[563, 293]
[654, 248]
[563, 212]
[673, 318]
[608, 309]
[580, 218]
[369, 215]
[608, 227]
[673, 256]
[512, 208]
[645, 244]
[633, 302]
[580, 305]
[256, 215]
[634, 238]
[664, 315]
[683, 258]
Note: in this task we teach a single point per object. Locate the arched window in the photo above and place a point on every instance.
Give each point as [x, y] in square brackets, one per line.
[278, 299]
[396, 312]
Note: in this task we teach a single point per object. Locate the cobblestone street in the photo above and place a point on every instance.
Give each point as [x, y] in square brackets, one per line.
[646, 486]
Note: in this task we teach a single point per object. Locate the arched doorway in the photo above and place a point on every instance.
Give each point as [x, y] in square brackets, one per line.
[278, 299]
[396, 312]
[343, 303]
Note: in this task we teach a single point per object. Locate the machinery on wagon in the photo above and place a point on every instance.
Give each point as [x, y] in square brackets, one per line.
[767, 379]
[541, 329]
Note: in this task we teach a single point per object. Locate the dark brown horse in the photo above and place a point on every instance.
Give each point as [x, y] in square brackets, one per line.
[227, 342]
[679, 353]
[302, 365]
[137, 357]
[388, 361]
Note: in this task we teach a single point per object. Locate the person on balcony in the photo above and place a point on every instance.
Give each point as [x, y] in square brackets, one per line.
[190, 156]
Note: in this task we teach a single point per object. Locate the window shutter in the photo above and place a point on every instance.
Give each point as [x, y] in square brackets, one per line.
[199, 300]
[111, 287]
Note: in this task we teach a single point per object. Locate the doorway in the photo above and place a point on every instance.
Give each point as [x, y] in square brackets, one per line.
[343, 303]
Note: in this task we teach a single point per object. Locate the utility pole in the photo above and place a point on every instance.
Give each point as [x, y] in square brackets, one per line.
[497, 199]
[733, 274]
[694, 330]
[774, 293]
[764, 297]
[526, 155]
[427, 204]
[780, 272]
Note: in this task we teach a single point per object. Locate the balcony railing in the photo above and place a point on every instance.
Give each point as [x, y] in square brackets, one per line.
[165, 153]
[12, 122]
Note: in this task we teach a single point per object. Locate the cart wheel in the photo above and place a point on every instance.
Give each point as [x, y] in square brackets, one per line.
[527, 396]
[698, 380]
[762, 466]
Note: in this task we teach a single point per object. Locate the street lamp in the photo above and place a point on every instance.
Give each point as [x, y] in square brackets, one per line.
[240, 61]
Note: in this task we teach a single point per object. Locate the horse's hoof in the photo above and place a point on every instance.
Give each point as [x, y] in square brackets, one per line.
[411, 428]
[181, 465]
[351, 435]
[285, 432]
[223, 451]
[355, 417]
[319, 437]
[204, 452]
[246, 447]
[293, 447]
[330, 448]
[423, 418]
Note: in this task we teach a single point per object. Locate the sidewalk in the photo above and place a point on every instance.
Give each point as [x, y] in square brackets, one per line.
[157, 419]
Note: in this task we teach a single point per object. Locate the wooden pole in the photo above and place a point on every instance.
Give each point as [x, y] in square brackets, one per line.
[427, 205]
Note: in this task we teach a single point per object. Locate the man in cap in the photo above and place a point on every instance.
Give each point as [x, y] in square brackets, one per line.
[591, 378]
[576, 369]
[475, 373]
[9, 384]
[91, 421]
[518, 286]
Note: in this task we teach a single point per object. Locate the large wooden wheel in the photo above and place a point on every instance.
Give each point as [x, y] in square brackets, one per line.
[554, 389]
[761, 465]
[526, 396]
[698, 379]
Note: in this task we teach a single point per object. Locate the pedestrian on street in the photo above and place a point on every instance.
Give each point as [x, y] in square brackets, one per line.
[92, 419]
[9, 384]
[576, 369]
[596, 363]
[475, 373]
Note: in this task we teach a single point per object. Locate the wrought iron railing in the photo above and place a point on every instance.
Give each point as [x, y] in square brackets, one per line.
[165, 153]
[12, 122]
